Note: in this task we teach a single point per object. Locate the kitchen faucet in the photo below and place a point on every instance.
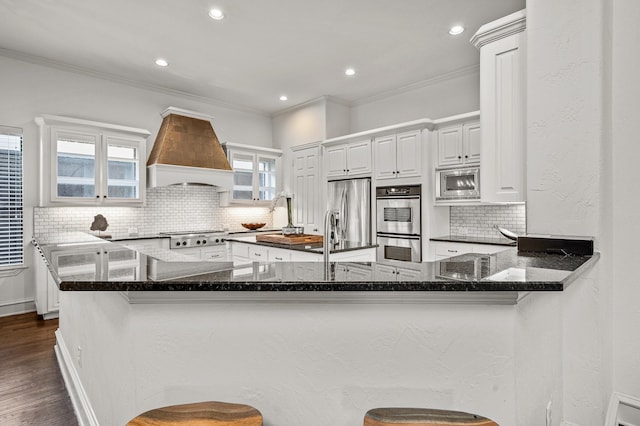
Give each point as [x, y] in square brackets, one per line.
[330, 225]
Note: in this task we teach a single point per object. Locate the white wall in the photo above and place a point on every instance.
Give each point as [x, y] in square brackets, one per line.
[442, 97]
[29, 90]
[315, 364]
[566, 175]
[625, 152]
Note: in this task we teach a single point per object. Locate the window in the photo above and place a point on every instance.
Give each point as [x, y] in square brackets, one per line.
[11, 244]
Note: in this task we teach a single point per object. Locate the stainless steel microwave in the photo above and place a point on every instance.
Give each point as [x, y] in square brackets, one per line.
[460, 184]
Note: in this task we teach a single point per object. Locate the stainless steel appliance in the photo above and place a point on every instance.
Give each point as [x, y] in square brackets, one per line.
[352, 200]
[195, 238]
[459, 184]
[399, 214]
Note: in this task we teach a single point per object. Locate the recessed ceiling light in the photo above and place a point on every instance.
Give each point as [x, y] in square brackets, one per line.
[456, 29]
[284, 98]
[161, 62]
[350, 71]
[216, 14]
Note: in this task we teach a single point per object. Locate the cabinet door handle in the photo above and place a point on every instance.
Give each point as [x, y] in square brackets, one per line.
[257, 254]
[278, 258]
[452, 251]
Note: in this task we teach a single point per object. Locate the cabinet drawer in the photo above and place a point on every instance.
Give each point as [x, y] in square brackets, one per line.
[277, 255]
[447, 249]
[214, 253]
[258, 253]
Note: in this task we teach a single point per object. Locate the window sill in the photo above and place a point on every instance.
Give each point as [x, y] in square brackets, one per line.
[11, 271]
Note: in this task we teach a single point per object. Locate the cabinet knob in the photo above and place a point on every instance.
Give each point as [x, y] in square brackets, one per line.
[344, 170]
[398, 172]
[97, 196]
[348, 170]
[459, 157]
[466, 156]
[394, 172]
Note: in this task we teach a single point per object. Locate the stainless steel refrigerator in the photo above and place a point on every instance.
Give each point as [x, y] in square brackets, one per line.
[352, 199]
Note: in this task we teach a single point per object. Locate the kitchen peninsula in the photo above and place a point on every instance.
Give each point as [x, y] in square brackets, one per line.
[138, 332]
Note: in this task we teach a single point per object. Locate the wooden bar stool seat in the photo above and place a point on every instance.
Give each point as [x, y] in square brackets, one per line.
[423, 417]
[211, 413]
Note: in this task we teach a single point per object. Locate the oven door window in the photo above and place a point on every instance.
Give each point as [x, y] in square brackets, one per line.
[397, 214]
[397, 253]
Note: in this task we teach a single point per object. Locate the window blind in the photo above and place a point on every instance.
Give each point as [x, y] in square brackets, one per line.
[11, 215]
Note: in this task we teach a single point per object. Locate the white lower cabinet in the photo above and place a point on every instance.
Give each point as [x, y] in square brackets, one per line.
[395, 273]
[445, 249]
[257, 253]
[353, 272]
[47, 294]
[214, 253]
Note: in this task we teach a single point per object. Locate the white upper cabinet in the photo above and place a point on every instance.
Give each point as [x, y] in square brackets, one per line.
[349, 159]
[398, 155]
[90, 163]
[255, 173]
[502, 102]
[305, 187]
[459, 144]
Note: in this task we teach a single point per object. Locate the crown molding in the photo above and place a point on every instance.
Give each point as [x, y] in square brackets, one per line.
[300, 105]
[500, 28]
[63, 66]
[460, 72]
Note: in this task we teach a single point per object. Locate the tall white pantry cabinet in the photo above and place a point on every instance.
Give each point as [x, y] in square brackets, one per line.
[502, 45]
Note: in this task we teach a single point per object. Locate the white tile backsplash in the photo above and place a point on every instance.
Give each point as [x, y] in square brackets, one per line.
[479, 221]
[170, 208]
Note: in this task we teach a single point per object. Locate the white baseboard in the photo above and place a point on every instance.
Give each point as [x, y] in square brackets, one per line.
[79, 399]
[16, 307]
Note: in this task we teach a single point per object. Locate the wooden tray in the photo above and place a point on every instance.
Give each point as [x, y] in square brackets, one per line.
[290, 239]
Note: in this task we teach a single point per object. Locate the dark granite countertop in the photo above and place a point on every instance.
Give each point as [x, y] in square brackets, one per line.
[497, 241]
[316, 248]
[104, 266]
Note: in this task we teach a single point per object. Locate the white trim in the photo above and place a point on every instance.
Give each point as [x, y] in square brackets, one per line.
[342, 297]
[500, 28]
[39, 60]
[296, 148]
[12, 271]
[614, 404]
[15, 307]
[409, 125]
[79, 398]
[167, 174]
[252, 148]
[298, 106]
[456, 119]
[460, 72]
[48, 119]
[186, 113]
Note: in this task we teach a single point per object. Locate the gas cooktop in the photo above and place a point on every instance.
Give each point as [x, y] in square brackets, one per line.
[187, 239]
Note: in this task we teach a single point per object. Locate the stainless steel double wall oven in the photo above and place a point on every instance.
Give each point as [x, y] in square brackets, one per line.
[399, 227]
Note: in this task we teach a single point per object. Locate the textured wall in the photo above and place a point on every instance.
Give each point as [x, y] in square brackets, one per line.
[625, 203]
[170, 208]
[300, 364]
[479, 221]
[566, 128]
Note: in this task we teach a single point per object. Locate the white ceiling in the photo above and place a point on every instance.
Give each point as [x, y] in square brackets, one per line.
[261, 50]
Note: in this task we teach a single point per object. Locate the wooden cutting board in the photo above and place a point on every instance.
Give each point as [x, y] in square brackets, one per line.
[290, 239]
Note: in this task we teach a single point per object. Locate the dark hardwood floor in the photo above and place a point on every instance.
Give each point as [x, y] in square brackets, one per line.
[32, 391]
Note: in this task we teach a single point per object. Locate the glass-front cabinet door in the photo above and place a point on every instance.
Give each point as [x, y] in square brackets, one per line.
[122, 167]
[243, 166]
[266, 178]
[75, 165]
[255, 174]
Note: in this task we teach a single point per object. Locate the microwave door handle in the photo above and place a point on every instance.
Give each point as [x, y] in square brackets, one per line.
[343, 215]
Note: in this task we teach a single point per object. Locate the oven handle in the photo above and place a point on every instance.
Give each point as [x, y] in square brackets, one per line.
[398, 197]
[399, 236]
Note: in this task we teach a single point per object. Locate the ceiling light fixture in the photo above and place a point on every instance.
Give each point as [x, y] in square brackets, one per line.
[283, 98]
[456, 30]
[216, 14]
[350, 71]
[161, 62]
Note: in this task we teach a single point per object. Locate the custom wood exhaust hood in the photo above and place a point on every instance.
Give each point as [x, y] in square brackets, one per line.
[187, 151]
